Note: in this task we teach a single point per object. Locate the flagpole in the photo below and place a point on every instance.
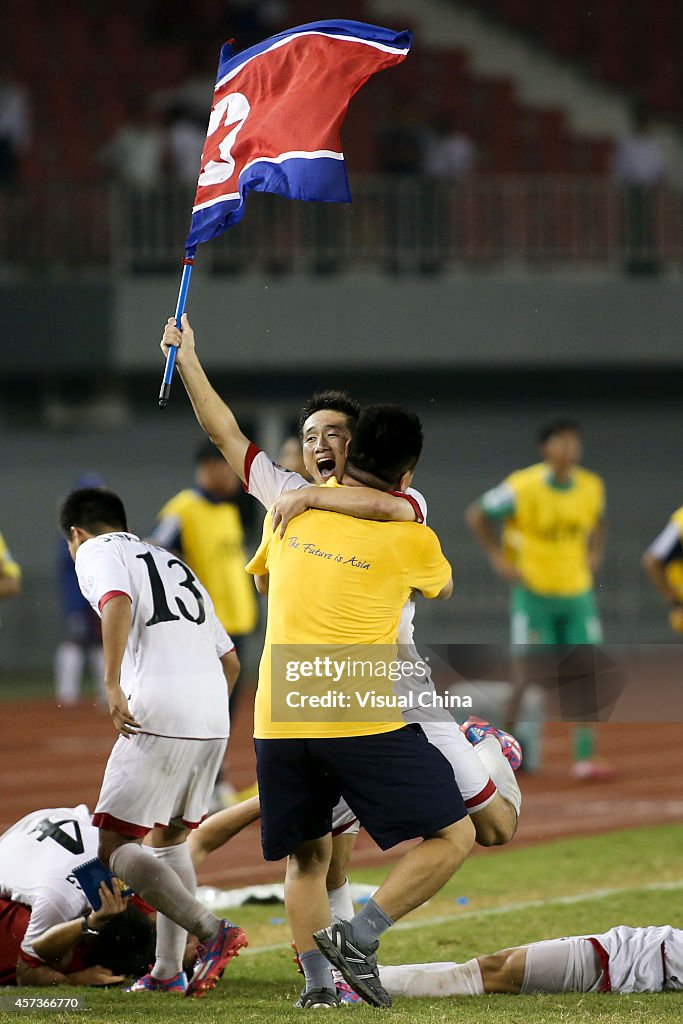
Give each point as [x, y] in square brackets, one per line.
[165, 390]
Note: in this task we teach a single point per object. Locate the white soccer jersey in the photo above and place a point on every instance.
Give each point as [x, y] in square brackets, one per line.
[643, 959]
[171, 674]
[265, 480]
[37, 858]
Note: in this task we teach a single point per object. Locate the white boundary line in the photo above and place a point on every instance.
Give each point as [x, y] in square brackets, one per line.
[503, 908]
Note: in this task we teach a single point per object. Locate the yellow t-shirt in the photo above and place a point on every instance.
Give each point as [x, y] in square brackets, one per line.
[211, 541]
[547, 527]
[674, 568]
[337, 584]
[9, 566]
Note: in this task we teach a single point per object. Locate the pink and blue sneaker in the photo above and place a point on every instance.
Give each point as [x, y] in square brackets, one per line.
[346, 995]
[476, 729]
[214, 956]
[176, 986]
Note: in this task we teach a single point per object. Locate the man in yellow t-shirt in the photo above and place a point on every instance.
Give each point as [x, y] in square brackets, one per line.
[550, 543]
[204, 525]
[663, 563]
[10, 573]
[338, 584]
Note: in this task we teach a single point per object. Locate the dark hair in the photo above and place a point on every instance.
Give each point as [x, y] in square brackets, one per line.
[125, 943]
[207, 450]
[545, 432]
[337, 401]
[92, 508]
[386, 443]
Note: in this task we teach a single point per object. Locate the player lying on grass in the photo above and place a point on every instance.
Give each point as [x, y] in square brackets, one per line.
[326, 425]
[622, 959]
[48, 933]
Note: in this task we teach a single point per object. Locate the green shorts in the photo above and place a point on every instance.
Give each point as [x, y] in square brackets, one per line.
[553, 620]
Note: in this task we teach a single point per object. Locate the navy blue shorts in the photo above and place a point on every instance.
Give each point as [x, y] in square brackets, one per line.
[397, 784]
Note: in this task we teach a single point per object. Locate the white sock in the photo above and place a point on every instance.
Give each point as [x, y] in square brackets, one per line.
[161, 887]
[497, 765]
[69, 661]
[447, 979]
[171, 937]
[341, 904]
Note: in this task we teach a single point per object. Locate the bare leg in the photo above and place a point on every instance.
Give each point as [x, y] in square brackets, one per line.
[308, 908]
[425, 869]
[495, 824]
[220, 828]
[342, 848]
[504, 971]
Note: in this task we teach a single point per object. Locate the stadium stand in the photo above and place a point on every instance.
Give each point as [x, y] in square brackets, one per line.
[636, 46]
[83, 62]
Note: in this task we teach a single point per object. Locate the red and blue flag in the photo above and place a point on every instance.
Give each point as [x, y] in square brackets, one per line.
[277, 114]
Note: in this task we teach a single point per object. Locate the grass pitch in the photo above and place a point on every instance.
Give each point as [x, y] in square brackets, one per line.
[503, 898]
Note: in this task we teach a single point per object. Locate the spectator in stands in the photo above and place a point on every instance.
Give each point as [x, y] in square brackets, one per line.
[185, 140]
[400, 154]
[401, 139]
[638, 166]
[449, 158]
[449, 154]
[137, 158]
[15, 125]
[135, 155]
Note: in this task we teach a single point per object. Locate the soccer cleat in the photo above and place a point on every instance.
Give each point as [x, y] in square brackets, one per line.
[177, 985]
[214, 956]
[592, 771]
[476, 729]
[347, 997]
[317, 999]
[357, 966]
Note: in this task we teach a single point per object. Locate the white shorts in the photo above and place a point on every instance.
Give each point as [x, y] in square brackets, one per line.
[470, 774]
[344, 820]
[562, 965]
[153, 780]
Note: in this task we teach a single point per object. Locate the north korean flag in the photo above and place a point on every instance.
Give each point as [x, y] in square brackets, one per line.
[277, 114]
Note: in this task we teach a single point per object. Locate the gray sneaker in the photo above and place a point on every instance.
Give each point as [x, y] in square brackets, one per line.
[317, 999]
[358, 966]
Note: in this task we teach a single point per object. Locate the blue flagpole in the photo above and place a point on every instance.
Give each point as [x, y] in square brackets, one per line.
[165, 391]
